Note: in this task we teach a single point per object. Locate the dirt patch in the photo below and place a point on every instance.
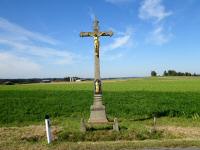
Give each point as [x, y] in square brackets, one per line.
[189, 132]
[28, 133]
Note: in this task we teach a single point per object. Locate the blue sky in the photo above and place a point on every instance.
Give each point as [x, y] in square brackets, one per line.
[41, 38]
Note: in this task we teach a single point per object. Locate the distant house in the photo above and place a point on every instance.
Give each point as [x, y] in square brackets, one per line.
[46, 81]
[79, 80]
[72, 79]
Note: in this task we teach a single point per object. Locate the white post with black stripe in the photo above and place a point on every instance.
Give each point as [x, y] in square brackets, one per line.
[48, 128]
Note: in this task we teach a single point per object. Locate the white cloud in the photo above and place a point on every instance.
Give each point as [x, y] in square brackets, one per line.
[24, 33]
[158, 36]
[38, 49]
[118, 1]
[12, 66]
[153, 9]
[124, 40]
[118, 42]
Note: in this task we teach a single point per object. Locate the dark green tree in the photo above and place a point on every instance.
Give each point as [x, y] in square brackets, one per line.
[165, 73]
[172, 73]
[188, 74]
[153, 74]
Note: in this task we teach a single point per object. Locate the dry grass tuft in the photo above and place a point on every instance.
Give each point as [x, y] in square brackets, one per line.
[185, 132]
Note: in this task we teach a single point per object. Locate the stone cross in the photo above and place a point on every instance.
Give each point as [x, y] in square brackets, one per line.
[98, 114]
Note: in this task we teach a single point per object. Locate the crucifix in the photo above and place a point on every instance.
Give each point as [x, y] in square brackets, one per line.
[98, 113]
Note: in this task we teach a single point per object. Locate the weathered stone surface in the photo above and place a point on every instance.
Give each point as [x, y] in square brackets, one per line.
[116, 125]
[98, 113]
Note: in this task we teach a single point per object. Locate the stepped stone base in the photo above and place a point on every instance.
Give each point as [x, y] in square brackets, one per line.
[98, 113]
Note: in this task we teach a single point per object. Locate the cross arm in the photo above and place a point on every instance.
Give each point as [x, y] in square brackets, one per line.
[110, 33]
[86, 34]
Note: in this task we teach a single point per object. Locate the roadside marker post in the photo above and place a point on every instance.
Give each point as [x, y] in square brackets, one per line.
[48, 128]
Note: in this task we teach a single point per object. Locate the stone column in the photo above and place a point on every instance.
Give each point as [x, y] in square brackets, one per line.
[97, 114]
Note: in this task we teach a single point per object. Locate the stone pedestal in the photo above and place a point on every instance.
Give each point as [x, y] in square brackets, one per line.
[97, 111]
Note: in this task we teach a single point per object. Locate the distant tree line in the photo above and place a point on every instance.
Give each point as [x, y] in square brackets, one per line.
[19, 81]
[174, 73]
[33, 80]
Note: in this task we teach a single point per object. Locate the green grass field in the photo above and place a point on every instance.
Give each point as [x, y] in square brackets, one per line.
[174, 100]
[130, 99]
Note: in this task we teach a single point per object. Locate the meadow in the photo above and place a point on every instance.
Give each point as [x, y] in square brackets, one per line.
[126, 99]
[175, 101]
